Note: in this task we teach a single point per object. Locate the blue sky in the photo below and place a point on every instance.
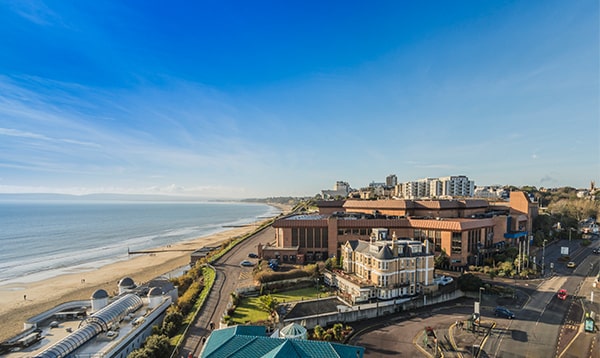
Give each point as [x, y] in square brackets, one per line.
[274, 98]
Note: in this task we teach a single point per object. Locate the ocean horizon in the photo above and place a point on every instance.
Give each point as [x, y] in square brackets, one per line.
[43, 239]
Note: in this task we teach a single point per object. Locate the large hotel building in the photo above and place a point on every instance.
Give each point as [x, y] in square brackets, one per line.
[467, 230]
[464, 229]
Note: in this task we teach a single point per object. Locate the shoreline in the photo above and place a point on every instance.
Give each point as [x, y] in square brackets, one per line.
[20, 301]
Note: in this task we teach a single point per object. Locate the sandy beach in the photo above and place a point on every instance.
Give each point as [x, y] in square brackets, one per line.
[20, 301]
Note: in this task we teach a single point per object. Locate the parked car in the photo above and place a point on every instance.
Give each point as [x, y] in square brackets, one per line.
[246, 263]
[503, 312]
[571, 264]
[443, 280]
[274, 264]
[252, 255]
[562, 294]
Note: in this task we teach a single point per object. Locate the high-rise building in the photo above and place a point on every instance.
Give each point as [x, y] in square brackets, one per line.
[391, 180]
[451, 186]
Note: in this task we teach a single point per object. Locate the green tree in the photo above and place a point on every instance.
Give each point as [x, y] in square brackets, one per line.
[506, 267]
[469, 282]
[156, 346]
[267, 303]
[318, 332]
[338, 329]
[172, 321]
[330, 263]
[138, 353]
[159, 346]
[442, 260]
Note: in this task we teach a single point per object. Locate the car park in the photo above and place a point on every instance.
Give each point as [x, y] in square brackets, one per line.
[562, 294]
[571, 264]
[503, 312]
[246, 263]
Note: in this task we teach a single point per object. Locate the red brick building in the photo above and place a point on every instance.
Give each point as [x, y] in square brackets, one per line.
[467, 230]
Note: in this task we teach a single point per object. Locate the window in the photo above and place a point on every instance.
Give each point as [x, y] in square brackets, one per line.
[310, 240]
[438, 241]
[456, 243]
[489, 236]
[325, 235]
[474, 239]
[302, 235]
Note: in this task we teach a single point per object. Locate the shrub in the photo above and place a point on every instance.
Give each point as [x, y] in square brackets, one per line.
[469, 282]
[318, 332]
[156, 346]
[172, 321]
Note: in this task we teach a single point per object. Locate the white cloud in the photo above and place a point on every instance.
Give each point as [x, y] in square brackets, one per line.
[172, 189]
[22, 134]
[36, 12]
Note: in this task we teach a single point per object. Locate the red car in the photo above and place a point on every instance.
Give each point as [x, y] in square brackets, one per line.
[562, 294]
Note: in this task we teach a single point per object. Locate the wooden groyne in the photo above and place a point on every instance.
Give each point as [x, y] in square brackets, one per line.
[157, 251]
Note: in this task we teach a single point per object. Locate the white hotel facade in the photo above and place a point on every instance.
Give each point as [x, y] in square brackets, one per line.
[451, 186]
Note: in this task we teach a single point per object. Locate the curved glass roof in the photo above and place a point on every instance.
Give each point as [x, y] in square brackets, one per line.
[71, 342]
[116, 311]
[93, 325]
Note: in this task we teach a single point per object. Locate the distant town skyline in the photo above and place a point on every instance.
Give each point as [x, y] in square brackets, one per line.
[238, 100]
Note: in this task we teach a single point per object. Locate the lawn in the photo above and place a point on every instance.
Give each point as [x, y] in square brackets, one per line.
[248, 310]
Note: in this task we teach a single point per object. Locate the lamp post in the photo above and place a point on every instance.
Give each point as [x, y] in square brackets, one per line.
[480, 290]
[544, 257]
[570, 231]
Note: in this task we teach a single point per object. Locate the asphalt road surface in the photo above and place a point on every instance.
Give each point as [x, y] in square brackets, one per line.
[229, 275]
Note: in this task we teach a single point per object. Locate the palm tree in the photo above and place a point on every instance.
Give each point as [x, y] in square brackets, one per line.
[268, 303]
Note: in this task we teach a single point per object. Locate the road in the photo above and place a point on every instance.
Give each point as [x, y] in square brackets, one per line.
[229, 276]
[547, 326]
[534, 331]
[584, 344]
[396, 336]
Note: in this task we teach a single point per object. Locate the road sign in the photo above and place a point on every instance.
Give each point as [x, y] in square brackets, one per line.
[589, 324]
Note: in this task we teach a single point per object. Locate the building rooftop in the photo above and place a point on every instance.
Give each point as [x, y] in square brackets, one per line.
[252, 341]
[82, 328]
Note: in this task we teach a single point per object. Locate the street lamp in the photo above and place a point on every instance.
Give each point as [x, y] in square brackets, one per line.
[544, 257]
[570, 231]
[480, 290]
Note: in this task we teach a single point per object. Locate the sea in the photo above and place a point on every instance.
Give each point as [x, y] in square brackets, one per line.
[44, 239]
